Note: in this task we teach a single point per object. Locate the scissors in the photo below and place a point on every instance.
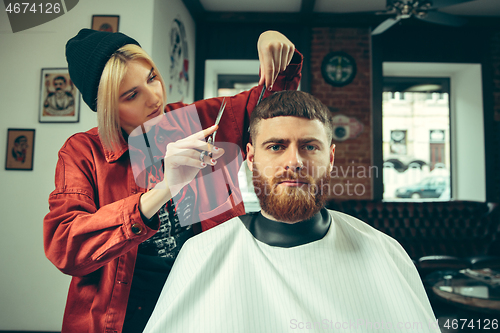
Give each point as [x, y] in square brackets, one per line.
[260, 98]
[211, 138]
[261, 94]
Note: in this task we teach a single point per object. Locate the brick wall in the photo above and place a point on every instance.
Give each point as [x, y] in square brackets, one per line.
[353, 173]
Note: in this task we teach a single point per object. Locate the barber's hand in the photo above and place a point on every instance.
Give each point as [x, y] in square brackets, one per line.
[182, 159]
[275, 54]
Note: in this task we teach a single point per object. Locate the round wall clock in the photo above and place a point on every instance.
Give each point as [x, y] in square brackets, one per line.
[338, 68]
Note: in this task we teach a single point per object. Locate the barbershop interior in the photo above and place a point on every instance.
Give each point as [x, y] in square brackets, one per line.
[413, 93]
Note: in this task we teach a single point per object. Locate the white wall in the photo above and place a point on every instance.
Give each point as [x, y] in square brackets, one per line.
[32, 291]
[466, 106]
[164, 14]
[468, 155]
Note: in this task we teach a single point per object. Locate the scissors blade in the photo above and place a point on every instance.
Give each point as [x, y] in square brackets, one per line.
[260, 98]
[261, 94]
[211, 139]
[221, 111]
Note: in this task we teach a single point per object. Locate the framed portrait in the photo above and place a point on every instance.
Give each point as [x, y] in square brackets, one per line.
[105, 22]
[20, 149]
[59, 97]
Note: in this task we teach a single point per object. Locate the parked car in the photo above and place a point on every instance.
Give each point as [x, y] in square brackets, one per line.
[430, 187]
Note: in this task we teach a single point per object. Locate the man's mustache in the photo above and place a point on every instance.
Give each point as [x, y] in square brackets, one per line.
[289, 175]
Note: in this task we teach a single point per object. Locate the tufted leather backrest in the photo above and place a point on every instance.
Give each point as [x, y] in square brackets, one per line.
[455, 228]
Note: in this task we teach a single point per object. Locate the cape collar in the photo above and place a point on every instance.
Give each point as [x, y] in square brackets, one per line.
[281, 234]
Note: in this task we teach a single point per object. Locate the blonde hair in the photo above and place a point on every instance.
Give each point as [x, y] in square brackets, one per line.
[108, 117]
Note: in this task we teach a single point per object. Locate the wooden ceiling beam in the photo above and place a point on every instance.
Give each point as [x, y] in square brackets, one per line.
[307, 10]
[307, 6]
[319, 19]
[195, 8]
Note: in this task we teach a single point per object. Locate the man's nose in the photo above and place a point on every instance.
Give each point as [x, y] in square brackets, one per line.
[294, 160]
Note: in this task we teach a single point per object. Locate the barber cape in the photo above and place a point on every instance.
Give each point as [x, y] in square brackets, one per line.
[355, 278]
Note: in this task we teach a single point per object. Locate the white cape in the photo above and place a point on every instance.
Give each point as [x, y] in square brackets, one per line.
[354, 279]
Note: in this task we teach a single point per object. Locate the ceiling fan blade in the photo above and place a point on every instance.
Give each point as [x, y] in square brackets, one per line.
[391, 11]
[385, 25]
[444, 3]
[443, 18]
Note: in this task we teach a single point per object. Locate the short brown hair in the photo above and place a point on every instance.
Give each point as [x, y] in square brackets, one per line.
[291, 103]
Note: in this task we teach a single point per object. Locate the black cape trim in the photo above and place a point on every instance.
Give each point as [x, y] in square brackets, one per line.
[281, 234]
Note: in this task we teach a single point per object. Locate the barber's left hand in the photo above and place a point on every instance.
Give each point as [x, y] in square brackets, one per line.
[275, 54]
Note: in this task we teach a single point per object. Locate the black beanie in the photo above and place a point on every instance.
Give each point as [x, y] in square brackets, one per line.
[87, 53]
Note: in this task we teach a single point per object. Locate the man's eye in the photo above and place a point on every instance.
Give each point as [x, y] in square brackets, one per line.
[275, 147]
[310, 147]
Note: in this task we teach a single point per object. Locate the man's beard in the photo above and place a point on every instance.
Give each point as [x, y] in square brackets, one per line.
[290, 203]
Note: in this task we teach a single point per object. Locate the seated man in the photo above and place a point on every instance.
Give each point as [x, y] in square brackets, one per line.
[294, 265]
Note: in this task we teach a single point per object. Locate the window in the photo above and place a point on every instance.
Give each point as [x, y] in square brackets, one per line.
[230, 85]
[466, 135]
[416, 135]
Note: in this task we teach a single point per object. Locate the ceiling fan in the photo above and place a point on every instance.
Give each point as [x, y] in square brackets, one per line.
[425, 10]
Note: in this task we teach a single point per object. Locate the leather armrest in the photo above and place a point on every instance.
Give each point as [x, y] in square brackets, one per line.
[442, 262]
[479, 262]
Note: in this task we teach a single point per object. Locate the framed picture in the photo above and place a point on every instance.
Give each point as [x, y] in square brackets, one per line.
[105, 22]
[59, 98]
[20, 148]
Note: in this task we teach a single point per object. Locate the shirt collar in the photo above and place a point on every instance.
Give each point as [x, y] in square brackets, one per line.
[113, 156]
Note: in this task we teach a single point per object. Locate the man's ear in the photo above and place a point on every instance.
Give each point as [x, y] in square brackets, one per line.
[250, 156]
[332, 156]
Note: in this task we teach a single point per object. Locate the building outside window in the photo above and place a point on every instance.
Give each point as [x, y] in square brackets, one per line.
[416, 139]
